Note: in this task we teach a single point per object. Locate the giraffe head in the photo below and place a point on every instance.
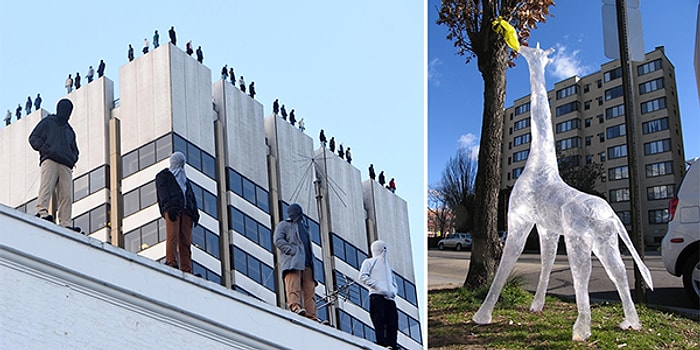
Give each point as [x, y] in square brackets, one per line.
[536, 57]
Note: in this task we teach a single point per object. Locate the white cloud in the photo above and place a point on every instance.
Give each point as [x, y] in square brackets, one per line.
[566, 64]
[470, 143]
[433, 74]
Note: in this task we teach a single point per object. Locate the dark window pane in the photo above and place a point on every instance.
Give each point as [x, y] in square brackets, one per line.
[370, 335]
[358, 328]
[209, 204]
[82, 221]
[161, 230]
[80, 187]
[147, 155]
[148, 194]
[268, 277]
[354, 294]
[131, 202]
[338, 247]
[235, 182]
[249, 191]
[212, 276]
[130, 163]
[98, 179]
[345, 323]
[265, 236]
[237, 220]
[149, 235]
[361, 256]
[315, 232]
[251, 229]
[400, 286]
[350, 255]
[322, 312]
[132, 240]
[411, 293]
[198, 269]
[364, 297]
[318, 271]
[240, 262]
[194, 157]
[403, 323]
[414, 327]
[263, 199]
[197, 194]
[208, 165]
[254, 269]
[212, 244]
[179, 144]
[98, 218]
[164, 147]
[198, 237]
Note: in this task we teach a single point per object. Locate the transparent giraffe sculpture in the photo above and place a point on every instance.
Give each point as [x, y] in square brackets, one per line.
[587, 222]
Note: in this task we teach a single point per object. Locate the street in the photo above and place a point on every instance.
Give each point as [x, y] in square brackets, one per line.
[448, 269]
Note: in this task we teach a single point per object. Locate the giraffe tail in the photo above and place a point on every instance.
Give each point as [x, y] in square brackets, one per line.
[622, 232]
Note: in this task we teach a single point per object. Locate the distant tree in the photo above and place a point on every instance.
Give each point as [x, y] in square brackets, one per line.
[440, 216]
[457, 189]
[582, 177]
[469, 28]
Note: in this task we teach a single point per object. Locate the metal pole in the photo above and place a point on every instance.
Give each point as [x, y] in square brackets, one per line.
[625, 65]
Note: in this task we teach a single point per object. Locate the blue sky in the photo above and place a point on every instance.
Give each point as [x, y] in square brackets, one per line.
[343, 66]
[455, 89]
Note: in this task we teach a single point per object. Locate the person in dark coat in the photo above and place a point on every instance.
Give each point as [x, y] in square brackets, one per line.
[224, 72]
[372, 175]
[251, 89]
[77, 80]
[284, 113]
[28, 105]
[130, 53]
[145, 46]
[296, 259]
[18, 112]
[241, 83]
[200, 55]
[232, 76]
[341, 152]
[321, 137]
[54, 139]
[173, 37]
[156, 38]
[292, 117]
[37, 102]
[276, 108]
[382, 180]
[348, 155]
[188, 48]
[331, 144]
[101, 69]
[178, 206]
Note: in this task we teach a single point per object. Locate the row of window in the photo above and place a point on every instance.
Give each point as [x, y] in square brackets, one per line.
[655, 125]
[660, 192]
[567, 91]
[618, 173]
[523, 108]
[519, 140]
[653, 105]
[253, 268]
[94, 219]
[571, 142]
[659, 146]
[568, 125]
[91, 182]
[354, 326]
[568, 108]
[147, 155]
[649, 67]
[612, 74]
[613, 92]
[250, 228]
[615, 131]
[354, 292]
[614, 112]
[196, 157]
[659, 169]
[347, 252]
[205, 273]
[657, 216]
[140, 198]
[145, 236]
[521, 124]
[206, 201]
[618, 151]
[206, 241]
[521, 155]
[652, 85]
[248, 190]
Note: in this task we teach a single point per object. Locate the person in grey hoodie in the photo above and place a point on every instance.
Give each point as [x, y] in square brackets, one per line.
[54, 139]
[294, 243]
[376, 273]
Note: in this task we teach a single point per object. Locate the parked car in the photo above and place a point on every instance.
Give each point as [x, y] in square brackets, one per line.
[680, 248]
[458, 241]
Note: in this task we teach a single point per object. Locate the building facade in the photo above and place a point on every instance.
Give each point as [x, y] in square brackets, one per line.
[246, 168]
[588, 117]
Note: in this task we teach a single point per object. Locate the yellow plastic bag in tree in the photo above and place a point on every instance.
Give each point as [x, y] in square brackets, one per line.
[504, 28]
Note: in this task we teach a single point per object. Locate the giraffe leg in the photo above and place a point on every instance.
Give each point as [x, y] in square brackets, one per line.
[548, 253]
[609, 255]
[578, 250]
[518, 231]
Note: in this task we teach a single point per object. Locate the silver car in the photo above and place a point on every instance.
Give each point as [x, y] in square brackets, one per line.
[458, 241]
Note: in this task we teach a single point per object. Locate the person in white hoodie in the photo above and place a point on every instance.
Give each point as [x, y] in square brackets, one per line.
[377, 275]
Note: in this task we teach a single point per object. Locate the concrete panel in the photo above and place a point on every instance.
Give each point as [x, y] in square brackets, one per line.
[245, 132]
[347, 213]
[390, 214]
[294, 153]
[20, 182]
[90, 120]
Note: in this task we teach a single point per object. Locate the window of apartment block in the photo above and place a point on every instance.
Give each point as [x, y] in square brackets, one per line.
[618, 151]
[568, 108]
[619, 195]
[568, 125]
[653, 105]
[587, 122]
[659, 146]
[517, 172]
[615, 131]
[572, 142]
[588, 140]
[660, 192]
[587, 105]
[655, 125]
[600, 100]
[658, 216]
[652, 85]
[618, 173]
[601, 137]
[520, 156]
[613, 93]
[519, 140]
[600, 119]
[614, 112]
[659, 169]
[599, 83]
[612, 74]
[521, 124]
[525, 107]
[649, 67]
[589, 158]
[567, 91]
[625, 217]
[586, 88]
[602, 156]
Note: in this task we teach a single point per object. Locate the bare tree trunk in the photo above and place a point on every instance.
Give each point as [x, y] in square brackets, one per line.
[486, 248]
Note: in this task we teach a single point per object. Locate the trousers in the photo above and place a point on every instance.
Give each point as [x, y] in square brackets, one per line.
[385, 319]
[178, 241]
[59, 178]
[300, 284]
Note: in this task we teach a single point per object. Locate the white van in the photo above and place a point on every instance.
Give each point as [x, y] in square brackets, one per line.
[680, 248]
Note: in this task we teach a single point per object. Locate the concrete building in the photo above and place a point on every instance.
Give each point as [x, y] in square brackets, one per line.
[246, 169]
[589, 127]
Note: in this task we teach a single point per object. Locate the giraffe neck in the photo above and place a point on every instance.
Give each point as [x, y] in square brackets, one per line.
[542, 146]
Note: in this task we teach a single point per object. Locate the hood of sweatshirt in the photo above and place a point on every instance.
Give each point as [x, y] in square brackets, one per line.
[378, 248]
[64, 108]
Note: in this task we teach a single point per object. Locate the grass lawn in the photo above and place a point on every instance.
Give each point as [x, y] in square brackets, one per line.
[514, 327]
